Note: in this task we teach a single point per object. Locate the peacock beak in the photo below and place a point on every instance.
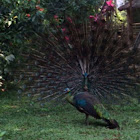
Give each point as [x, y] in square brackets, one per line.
[66, 90]
[114, 124]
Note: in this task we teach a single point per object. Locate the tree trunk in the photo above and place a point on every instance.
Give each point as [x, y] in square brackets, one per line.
[130, 22]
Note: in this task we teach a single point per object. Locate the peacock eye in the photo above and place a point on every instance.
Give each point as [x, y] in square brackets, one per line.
[38, 84]
[21, 77]
[57, 59]
[36, 74]
[52, 82]
[19, 91]
[29, 94]
[49, 74]
[30, 78]
[16, 80]
[24, 87]
[57, 77]
[28, 67]
[64, 73]
[42, 104]
[39, 99]
[44, 57]
[42, 70]
[33, 90]
[44, 78]
[36, 62]
[49, 62]
[42, 92]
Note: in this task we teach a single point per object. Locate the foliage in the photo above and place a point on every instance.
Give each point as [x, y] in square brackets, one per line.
[72, 7]
[5, 61]
[2, 133]
[122, 15]
[19, 121]
[22, 20]
[18, 20]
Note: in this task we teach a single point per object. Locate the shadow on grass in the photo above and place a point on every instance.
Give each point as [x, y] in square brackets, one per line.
[95, 123]
[101, 124]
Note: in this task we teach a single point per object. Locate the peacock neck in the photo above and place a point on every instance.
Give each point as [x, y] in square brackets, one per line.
[69, 98]
[85, 86]
[86, 81]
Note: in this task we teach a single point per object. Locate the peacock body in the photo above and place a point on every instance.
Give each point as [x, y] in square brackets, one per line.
[90, 57]
[90, 105]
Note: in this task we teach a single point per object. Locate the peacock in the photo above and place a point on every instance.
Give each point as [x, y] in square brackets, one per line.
[90, 105]
[90, 58]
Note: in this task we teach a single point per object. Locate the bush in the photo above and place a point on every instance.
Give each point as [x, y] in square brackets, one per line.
[22, 20]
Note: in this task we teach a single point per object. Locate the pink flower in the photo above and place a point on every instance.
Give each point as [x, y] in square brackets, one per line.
[96, 18]
[2, 89]
[55, 17]
[64, 29]
[67, 38]
[108, 7]
[28, 15]
[109, 3]
[69, 19]
[41, 9]
[91, 16]
[37, 7]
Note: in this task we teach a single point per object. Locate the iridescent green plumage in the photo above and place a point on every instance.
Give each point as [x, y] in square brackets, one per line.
[90, 105]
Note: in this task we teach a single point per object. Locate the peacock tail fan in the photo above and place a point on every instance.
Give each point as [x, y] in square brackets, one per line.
[95, 46]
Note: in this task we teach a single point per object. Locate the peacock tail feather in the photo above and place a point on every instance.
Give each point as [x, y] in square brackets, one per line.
[73, 53]
[102, 112]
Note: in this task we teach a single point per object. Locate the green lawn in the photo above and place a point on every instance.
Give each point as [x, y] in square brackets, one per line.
[21, 122]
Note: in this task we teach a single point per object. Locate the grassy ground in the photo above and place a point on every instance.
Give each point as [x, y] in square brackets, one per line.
[20, 122]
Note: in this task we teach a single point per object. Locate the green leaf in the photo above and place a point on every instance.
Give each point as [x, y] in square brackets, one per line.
[8, 1]
[9, 58]
[2, 133]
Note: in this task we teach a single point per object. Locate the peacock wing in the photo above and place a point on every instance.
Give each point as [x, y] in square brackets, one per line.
[86, 103]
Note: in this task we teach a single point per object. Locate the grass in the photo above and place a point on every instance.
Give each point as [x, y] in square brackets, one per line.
[21, 122]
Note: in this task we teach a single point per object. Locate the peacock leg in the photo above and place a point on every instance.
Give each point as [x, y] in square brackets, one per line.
[86, 120]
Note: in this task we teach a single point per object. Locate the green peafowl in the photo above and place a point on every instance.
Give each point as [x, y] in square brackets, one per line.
[88, 104]
[90, 56]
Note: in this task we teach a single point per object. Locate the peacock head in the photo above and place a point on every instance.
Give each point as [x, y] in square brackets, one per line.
[85, 75]
[113, 124]
[67, 90]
